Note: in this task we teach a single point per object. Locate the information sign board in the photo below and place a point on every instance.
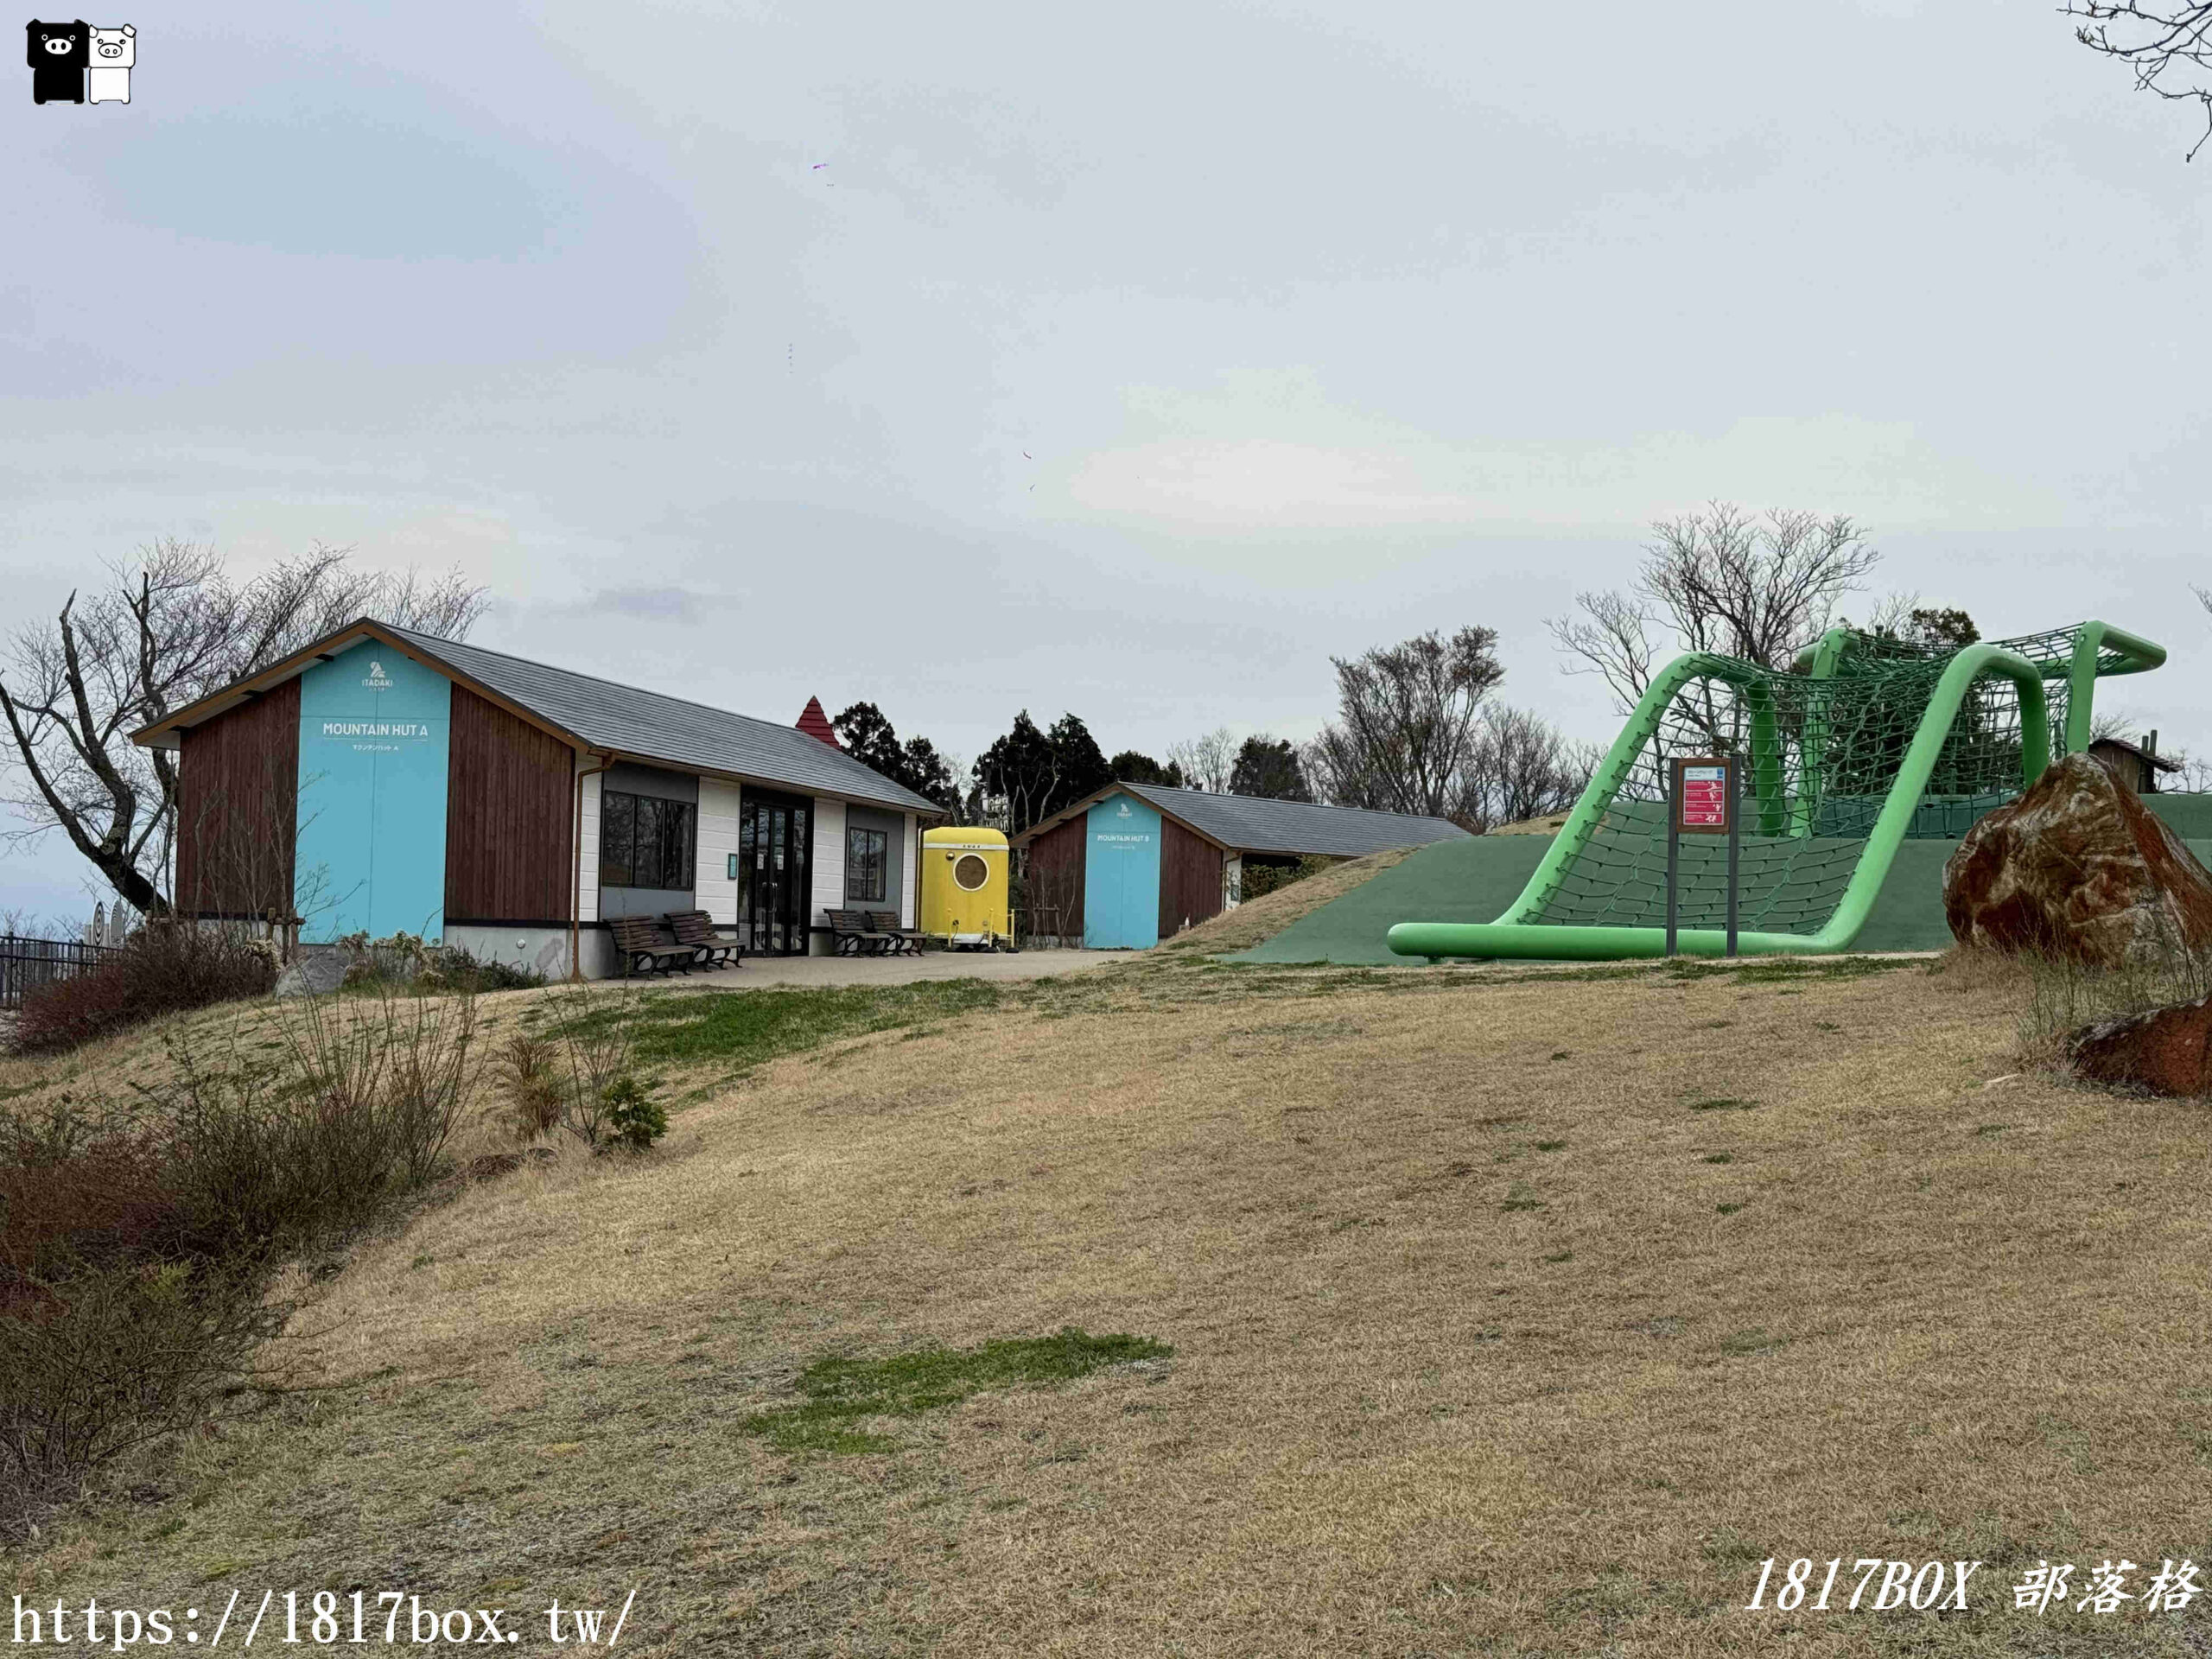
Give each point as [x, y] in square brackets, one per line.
[1704, 794]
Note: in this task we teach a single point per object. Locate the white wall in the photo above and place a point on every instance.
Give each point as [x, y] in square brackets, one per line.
[717, 893]
[1232, 881]
[588, 862]
[718, 824]
[829, 859]
[910, 874]
[544, 948]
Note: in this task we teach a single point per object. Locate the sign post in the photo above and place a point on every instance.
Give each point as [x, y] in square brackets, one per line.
[1673, 846]
[1735, 843]
[1703, 797]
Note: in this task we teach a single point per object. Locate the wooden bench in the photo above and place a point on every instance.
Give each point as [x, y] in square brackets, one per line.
[886, 924]
[645, 950]
[850, 934]
[696, 929]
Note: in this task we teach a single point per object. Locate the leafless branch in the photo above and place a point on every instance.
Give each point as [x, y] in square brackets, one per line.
[159, 634]
[2168, 48]
[1719, 580]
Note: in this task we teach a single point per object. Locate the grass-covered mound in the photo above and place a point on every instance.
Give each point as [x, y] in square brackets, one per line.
[1508, 1314]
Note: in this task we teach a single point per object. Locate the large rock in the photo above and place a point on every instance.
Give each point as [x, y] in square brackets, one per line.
[316, 971]
[2077, 867]
[2164, 1050]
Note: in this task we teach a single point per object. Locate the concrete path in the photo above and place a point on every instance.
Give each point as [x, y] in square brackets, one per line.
[891, 970]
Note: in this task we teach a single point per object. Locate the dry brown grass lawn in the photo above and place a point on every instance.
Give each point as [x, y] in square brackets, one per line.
[1510, 1316]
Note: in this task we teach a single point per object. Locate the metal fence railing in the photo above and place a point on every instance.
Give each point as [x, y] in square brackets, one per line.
[26, 965]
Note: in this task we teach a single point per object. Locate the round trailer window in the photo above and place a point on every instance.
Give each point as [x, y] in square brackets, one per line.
[971, 872]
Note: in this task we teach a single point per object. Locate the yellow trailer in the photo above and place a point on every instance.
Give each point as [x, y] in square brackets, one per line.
[964, 888]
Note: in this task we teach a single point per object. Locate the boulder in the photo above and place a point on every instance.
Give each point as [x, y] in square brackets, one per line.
[316, 971]
[2077, 867]
[2163, 1050]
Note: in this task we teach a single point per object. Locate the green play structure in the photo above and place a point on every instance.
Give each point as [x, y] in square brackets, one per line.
[1868, 742]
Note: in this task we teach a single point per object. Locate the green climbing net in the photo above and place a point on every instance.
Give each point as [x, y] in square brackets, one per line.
[1822, 748]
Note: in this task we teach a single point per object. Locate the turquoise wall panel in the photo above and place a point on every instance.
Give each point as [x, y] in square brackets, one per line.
[1120, 876]
[374, 727]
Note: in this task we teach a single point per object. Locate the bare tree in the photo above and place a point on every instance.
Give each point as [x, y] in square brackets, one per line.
[1520, 766]
[1406, 722]
[18, 923]
[1207, 762]
[2169, 48]
[164, 631]
[1719, 580]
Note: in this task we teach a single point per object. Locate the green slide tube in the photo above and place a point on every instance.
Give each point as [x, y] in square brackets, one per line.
[1826, 657]
[1516, 933]
[2138, 656]
[1604, 785]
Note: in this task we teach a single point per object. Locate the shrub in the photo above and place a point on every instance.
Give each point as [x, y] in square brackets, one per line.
[357, 1110]
[583, 1075]
[526, 1066]
[379, 965]
[633, 1116]
[73, 1192]
[456, 967]
[130, 1352]
[164, 969]
[136, 1250]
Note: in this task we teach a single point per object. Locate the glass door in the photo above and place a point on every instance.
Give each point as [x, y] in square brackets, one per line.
[774, 898]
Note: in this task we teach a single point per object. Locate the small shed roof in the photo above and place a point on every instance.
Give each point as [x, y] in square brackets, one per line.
[1250, 823]
[2122, 746]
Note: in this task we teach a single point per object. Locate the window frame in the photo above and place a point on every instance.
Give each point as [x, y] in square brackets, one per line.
[657, 831]
[880, 862]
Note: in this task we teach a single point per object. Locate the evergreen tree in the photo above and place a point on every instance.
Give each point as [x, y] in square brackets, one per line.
[1027, 775]
[1269, 767]
[930, 774]
[1014, 777]
[1079, 766]
[916, 765]
[868, 737]
[1134, 767]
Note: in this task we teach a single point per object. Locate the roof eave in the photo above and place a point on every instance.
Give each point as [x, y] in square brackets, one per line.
[1065, 813]
[242, 690]
[923, 809]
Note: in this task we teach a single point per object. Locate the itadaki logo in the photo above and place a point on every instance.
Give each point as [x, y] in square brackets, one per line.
[79, 62]
[377, 680]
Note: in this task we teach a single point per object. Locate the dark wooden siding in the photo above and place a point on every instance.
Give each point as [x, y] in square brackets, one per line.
[1055, 879]
[1190, 878]
[510, 810]
[237, 808]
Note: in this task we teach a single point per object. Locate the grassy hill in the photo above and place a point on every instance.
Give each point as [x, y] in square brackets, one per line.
[1509, 1313]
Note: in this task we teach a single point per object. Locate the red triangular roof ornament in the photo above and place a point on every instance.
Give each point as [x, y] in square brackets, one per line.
[815, 723]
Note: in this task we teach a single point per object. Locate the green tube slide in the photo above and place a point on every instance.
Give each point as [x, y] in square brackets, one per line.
[2091, 641]
[1518, 934]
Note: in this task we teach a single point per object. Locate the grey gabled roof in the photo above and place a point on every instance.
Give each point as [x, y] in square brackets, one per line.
[1246, 823]
[671, 730]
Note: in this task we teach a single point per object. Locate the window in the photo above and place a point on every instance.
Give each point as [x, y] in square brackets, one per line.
[867, 865]
[645, 842]
[971, 872]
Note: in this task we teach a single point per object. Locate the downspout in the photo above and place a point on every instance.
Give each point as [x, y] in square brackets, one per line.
[576, 858]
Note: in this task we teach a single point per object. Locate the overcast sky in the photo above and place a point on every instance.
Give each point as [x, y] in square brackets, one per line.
[1128, 359]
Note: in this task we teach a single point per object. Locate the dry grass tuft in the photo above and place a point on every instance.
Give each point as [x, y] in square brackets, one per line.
[1550, 825]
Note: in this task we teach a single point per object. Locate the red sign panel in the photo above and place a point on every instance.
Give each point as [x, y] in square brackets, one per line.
[1705, 791]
